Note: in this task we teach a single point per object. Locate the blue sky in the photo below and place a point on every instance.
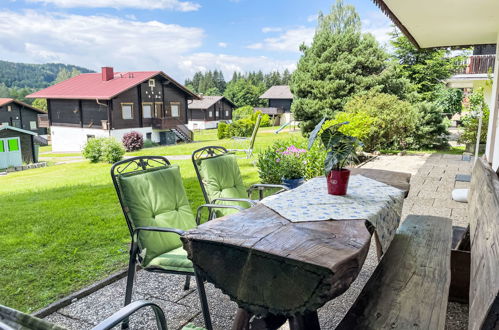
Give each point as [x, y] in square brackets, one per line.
[176, 36]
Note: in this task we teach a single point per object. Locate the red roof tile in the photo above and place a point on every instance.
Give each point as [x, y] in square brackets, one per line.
[91, 86]
[5, 100]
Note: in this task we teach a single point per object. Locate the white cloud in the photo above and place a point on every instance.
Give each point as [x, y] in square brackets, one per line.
[271, 29]
[312, 18]
[222, 44]
[94, 41]
[127, 45]
[191, 64]
[289, 41]
[378, 25]
[143, 4]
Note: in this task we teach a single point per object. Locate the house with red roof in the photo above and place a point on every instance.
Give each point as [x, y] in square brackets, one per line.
[209, 111]
[18, 114]
[113, 103]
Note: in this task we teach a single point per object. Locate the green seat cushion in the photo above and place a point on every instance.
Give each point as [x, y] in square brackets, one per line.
[173, 260]
[156, 198]
[222, 179]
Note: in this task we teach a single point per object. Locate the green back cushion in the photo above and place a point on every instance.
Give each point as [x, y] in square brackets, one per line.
[222, 178]
[157, 198]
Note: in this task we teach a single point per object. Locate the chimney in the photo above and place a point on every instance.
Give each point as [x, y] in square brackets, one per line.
[107, 73]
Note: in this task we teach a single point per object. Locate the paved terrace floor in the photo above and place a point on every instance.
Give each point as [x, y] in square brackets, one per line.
[431, 185]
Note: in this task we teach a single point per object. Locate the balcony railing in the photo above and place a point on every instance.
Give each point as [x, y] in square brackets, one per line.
[173, 124]
[478, 64]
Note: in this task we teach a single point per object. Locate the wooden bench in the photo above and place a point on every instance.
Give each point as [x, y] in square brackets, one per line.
[409, 288]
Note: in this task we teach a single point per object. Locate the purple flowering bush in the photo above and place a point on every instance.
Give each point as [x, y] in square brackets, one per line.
[133, 141]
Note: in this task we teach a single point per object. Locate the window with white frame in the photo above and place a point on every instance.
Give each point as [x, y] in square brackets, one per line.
[32, 125]
[127, 110]
[216, 113]
[147, 110]
[152, 83]
[210, 114]
[9, 108]
[227, 113]
[175, 109]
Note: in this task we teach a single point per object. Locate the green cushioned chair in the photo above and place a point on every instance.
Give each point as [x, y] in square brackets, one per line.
[11, 319]
[157, 212]
[221, 181]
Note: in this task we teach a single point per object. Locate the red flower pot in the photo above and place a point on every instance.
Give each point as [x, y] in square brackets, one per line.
[337, 182]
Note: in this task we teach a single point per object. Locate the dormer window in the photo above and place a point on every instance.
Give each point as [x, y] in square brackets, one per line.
[152, 83]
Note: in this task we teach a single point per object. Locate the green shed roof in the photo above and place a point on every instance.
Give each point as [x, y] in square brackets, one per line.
[3, 127]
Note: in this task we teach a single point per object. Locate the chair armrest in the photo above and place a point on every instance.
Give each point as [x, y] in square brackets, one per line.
[210, 207]
[246, 200]
[262, 186]
[160, 229]
[130, 309]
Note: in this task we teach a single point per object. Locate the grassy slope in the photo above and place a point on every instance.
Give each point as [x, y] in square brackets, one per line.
[62, 227]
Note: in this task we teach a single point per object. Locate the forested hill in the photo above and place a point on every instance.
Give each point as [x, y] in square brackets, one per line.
[33, 76]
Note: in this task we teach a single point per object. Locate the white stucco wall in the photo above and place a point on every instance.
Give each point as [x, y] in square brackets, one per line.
[73, 139]
[201, 124]
[492, 147]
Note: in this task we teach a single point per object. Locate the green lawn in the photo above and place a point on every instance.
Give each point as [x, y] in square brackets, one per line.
[62, 227]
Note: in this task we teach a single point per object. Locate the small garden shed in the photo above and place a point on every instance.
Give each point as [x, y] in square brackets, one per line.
[16, 146]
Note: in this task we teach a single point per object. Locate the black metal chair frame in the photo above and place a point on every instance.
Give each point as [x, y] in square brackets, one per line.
[138, 164]
[213, 151]
[113, 320]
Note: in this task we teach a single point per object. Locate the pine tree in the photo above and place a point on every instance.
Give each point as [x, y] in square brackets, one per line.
[340, 63]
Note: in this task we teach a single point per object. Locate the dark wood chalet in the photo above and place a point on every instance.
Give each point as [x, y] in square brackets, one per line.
[208, 111]
[20, 115]
[114, 103]
[279, 99]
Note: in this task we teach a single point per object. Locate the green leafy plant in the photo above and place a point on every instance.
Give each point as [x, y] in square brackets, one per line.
[270, 161]
[112, 150]
[341, 148]
[103, 150]
[470, 122]
[149, 143]
[222, 130]
[242, 112]
[292, 162]
[93, 150]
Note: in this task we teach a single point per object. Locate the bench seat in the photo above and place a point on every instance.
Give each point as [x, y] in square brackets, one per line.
[409, 288]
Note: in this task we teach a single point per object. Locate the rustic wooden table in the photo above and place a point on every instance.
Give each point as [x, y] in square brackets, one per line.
[277, 269]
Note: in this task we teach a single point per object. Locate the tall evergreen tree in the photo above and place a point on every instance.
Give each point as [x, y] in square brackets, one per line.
[340, 63]
[425, 68]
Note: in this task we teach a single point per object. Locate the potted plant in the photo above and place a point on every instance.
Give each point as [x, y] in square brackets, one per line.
[341, 151]
[291, 166]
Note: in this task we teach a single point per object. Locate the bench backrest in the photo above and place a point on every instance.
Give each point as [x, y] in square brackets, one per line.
[483, 211]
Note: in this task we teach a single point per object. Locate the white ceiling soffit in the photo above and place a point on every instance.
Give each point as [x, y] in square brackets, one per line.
[438, 23]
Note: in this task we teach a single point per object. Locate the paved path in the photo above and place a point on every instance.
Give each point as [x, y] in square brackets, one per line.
[431, 185]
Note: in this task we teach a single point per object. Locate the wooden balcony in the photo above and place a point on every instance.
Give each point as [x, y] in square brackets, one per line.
[43, 121]
[175, 125]
[478, 64]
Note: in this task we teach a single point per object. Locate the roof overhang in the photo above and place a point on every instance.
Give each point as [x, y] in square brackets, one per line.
[467, 80]
[444, 23]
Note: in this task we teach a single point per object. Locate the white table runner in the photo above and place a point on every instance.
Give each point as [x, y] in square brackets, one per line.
[366, 199]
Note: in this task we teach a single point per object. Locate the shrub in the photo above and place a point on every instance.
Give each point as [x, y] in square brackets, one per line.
[133, 141]
[222, 130]
[242, 127]
[394, 122]
[149, 144]
[242, 112]
[112, 150]
[361, 125]
[431, 131]
[470, 122]
[270, 161]
[450, 100]
[103, 150]
[93, 150]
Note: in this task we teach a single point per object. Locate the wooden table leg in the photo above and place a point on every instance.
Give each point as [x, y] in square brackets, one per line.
[307, 321]
[245, 321]
[242, 319]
